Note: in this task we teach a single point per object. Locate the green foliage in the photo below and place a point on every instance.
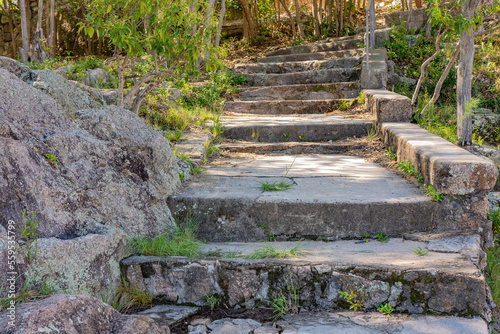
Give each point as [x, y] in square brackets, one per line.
[179, 240]
[420, 251]
[439, 120]
[385, 309]
[494, 216]
[33, 288]
[52, 159]
[162, 114]
[275, 185]
[29, 233]
[361, 98]
[289, 303]
[381, 237]
[212, 94]
[212, 300]
[392, 155]
[287, 137]
[407, 168]
[269, 252]
[371, 131]
[433, 194]
[493, 271]
[353, 298]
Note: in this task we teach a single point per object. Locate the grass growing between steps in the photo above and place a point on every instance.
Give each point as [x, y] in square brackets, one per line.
[179, 240]
[269, 252]
[275, 186]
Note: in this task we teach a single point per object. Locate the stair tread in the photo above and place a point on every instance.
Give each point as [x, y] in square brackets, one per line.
[249, 120]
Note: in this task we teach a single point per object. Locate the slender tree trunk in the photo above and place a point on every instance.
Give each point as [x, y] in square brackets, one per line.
[317, 30]
[52, 27]
[250, 26]
[11, 26]
[408, 22]
[300, 28]
[25, 35]
[464, 79]
[330, 14]
[290, 18]
[40, 15]
[221, 20]
[437, 90]
[422, 69]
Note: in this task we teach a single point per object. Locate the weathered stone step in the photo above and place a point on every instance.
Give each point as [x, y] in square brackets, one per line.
[291, 147]
[297, 66]
[446, 280]
[335, 196]
[313, 56]
[342, 90]
[308, 128]
[351, 43]
[287, 107]
[307, 77]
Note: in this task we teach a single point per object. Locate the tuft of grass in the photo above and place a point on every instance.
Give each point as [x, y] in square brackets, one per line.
[275, 186]
[286, 304]
[179, 240]
[493, 271]
[175, 135]
[371, 131]
[269, 252]
[420, 251]
[361, 98]
[392, 155]
[32, 289]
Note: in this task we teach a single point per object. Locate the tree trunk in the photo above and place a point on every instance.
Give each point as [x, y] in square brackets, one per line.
[221, 20]
[317, 30]
[40, 16]
[290, 18]
[25, 35]
[464, 79]
[11, 26]
[250, 32]
[52, 28]
[300, 28]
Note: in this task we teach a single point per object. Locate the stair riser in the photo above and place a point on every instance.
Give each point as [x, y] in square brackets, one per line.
[242, 220]
[283, 107]
[301, 92]
[313, 56]
[246, 282]
[305, 132]
[292, 67]
[310, 77]
[310, 48]
[284, 148]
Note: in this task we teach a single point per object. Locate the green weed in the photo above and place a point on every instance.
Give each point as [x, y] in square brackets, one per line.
[433, 194]
[494, 216]
[381, 237]
[353, 298]
[175, 135]
[52, 159]
[29, 233]
[493, 271]
[179, 240]
[385, 309]
[287, 137]
[212, 300]
[392, 155]
[269, 252]
[275, 185]
[420, 251]
[361, 98]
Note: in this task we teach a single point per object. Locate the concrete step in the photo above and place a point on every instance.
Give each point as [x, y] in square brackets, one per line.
[297, 66]
[287, 107]
[291, 147]
[342, 90]
[335, 196]
[310, 128]
[351, 43]
[447, 280]
[314, 56]
[307, 77]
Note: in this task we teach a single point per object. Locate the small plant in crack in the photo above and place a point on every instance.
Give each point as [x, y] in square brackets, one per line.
[287, 137]
[52, 159]
[212, 300]
[385, 309]
[283, 304]
[420, 251]
[391, 154]
[353, 298]
[382, 237]
[277, 185]
[269, 252]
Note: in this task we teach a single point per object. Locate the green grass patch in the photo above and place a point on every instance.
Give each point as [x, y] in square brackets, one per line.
[269, 252]
[179, 240]
[275, 186]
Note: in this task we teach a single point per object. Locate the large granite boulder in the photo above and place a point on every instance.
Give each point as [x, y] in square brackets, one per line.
[112, 169]
[74, 314]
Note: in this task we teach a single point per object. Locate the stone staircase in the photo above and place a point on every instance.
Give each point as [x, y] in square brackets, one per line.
[291, 124]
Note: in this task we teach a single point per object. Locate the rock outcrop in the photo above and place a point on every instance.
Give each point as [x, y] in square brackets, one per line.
[74, 314]
[92, 174]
